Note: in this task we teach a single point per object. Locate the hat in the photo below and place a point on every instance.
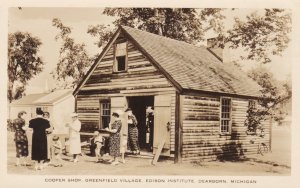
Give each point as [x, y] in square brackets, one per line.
[74, 114]
[55, 138]
[46, 113]
[39, 111]
[128, 109]
[149, 109]
[21, 113]
[117, 112]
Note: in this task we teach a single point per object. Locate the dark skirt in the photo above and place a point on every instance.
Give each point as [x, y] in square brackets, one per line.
[39, 147]
[21, 149]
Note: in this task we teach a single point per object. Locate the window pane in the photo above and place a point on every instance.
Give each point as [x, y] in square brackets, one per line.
[105, 121]
[104, 113]
[121, 61]
[225, 115]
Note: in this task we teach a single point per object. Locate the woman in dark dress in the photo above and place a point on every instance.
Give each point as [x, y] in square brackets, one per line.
[114, 140]
[21, 138]
[39, 139]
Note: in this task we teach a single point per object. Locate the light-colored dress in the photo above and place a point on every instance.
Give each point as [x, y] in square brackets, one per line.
[75, 146]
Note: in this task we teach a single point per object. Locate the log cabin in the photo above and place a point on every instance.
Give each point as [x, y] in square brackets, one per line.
[199, 103]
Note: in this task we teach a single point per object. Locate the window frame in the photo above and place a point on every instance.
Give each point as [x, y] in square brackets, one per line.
[229, 119]
[254, 104]
[115, 63]
[103, 101]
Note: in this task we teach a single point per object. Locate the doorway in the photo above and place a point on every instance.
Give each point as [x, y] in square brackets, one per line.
[140, 106]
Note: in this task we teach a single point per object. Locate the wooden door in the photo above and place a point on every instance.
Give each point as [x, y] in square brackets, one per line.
[162, 120]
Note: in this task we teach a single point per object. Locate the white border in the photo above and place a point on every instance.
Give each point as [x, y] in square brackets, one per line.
[38, 181]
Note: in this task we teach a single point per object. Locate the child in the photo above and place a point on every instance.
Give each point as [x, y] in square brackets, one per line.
[98, 141]
[57, 151]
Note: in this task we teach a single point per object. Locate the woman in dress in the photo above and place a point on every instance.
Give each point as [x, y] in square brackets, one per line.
[133, 132]
[21, 138]
[114, 140]
[39, 139]
[74, 137]
[49, 138]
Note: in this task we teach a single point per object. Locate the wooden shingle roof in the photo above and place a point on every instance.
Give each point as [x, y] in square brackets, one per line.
[192, 67]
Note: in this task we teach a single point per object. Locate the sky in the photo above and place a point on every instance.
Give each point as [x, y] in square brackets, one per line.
[38, 22]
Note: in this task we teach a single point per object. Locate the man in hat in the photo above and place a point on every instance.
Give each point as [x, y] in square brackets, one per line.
[133, 143]
[39, 139]
[74, 137]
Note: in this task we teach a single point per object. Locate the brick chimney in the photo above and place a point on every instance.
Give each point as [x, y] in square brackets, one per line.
[159, 19]
[215, 49]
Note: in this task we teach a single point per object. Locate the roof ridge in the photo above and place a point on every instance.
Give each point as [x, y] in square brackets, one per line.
[164, 37]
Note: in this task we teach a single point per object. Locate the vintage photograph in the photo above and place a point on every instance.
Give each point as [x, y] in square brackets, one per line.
[149, 91]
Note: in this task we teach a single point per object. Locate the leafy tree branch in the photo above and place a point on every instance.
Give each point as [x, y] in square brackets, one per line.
[24, 62]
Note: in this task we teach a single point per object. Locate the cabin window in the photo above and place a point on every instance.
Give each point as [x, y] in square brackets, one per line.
[225, 116]
[252, 104]
[104, 113]
[120, 63]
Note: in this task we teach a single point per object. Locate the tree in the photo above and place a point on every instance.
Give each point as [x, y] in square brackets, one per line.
[261, 35]
[24, 62]
[177, 23]
[104, 33]
[73, 58]
[274, 93]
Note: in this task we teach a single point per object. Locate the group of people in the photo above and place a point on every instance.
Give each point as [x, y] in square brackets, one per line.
[118, 141]
[44, 145]
[47, 147]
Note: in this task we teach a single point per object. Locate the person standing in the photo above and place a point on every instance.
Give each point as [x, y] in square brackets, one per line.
[150, 127]
[132, 132]
[74, 137]
[49, 138]
[21, 138]
[56, 151]
[114, 139]
[39, 139]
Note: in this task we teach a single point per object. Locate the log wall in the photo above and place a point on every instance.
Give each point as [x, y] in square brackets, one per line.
[201, 138]
[141, 79]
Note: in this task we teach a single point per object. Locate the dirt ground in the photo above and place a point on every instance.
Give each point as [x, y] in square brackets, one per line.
[275, 163]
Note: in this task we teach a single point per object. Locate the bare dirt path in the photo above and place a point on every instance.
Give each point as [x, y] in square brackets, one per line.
[276, 163]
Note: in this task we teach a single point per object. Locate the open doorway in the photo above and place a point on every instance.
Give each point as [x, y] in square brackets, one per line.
[142, 108]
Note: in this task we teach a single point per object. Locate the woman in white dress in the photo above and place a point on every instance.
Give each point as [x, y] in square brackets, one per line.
[74, 137]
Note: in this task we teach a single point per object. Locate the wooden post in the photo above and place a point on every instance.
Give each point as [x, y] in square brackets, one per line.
[75, 106]
[178, 127]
